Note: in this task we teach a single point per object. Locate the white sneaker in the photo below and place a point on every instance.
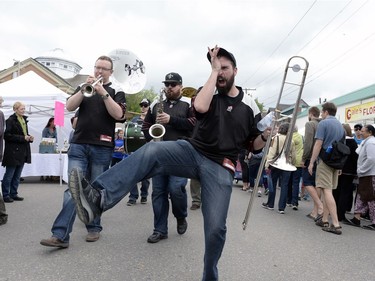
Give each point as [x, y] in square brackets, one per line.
[259, 193]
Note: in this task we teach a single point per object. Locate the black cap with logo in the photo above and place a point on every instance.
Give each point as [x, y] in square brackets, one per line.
[173, 77]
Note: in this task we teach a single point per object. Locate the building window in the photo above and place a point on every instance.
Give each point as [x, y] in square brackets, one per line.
[47, 63]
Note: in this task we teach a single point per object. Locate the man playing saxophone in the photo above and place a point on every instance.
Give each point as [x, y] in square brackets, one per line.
[176, 117]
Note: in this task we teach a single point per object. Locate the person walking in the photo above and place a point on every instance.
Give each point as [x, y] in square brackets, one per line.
[175, 115]
[91, 147]
[295, 177]
[365, 199]
[307, 178]
[145, 184]
[17, 152]
[343, 194]
[279, 175]
[220, 107]
[328, 131]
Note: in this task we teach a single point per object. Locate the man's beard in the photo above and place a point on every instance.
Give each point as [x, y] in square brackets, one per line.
[228, 85]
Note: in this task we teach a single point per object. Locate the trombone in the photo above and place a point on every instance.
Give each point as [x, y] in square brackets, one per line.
[281, 161]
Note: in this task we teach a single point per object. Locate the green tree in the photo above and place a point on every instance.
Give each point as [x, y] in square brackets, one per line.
[132, 101]
[260, 105]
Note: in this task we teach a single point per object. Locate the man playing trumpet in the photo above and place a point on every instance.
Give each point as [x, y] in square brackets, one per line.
[91, 146]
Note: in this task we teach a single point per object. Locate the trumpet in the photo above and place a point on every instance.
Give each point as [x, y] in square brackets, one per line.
[281, 161]
[88, 89]
[157, 130]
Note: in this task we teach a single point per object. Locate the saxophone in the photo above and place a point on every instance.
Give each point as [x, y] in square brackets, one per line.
[157, 130]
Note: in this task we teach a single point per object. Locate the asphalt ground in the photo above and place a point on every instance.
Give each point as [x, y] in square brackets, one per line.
[273, 247]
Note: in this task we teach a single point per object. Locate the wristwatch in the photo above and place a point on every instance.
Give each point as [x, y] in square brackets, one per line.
[105, 96]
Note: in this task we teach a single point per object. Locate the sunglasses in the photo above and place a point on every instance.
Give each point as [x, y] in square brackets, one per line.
[144, 105]
[170, 84]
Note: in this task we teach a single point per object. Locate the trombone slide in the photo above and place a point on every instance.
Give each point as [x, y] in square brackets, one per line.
[281, 162]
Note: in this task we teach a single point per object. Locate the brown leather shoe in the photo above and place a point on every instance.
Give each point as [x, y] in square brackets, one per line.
[92, 236]
[194, 207]
[54, 242]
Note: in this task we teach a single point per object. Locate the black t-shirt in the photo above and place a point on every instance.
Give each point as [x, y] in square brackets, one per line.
[94, 124]
[225, 128]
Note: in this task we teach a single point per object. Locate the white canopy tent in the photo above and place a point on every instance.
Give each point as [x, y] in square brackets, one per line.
[39, 97]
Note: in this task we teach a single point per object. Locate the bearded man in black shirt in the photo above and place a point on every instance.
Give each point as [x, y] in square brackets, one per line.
[225, 123]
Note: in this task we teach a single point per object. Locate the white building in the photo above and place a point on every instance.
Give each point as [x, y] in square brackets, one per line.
[60, 63]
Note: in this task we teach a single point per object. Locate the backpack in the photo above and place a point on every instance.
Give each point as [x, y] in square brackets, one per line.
[337, 157]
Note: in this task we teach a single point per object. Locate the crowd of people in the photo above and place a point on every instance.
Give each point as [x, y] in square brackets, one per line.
[200, 141]
[331, 189]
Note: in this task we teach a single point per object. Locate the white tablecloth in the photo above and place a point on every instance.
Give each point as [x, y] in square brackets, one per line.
[45, 165]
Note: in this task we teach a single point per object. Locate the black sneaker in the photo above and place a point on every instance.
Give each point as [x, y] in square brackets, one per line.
[156, 237]
[8, 199]
[87, 198]
[181, 226]
[354, 222]
[131, 202]
[265, 206]
[143, 200]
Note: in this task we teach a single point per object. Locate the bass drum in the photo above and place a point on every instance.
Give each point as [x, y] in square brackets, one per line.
[133, 137]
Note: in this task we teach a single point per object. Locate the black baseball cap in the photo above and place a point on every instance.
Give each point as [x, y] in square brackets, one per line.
[173, 77]
[223, 53]
[358, 126]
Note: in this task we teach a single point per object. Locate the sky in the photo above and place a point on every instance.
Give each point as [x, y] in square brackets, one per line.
[337, 38]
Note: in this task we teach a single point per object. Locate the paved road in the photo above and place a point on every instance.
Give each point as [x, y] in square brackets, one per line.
[273, 247]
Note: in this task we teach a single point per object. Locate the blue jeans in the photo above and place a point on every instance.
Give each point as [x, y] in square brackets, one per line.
[11, 180]
[177, 158]
[93, 160]
[296, 180]
[162, 187]
[283, 178]
[253, 172]
[134, 193]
